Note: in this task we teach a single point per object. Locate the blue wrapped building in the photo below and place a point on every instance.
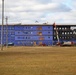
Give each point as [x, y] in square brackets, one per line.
[28, 34]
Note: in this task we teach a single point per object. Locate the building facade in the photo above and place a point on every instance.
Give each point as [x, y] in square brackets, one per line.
[37, 34]
[28, 35]
[65, 33]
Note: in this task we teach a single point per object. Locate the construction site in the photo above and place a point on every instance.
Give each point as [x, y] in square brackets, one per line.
[30, 44]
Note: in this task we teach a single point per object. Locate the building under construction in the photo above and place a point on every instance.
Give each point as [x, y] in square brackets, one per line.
[37, 34]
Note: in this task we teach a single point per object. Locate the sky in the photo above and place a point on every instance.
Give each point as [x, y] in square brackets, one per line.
[39, 11]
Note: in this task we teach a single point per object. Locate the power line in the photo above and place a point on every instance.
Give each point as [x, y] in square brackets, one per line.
[6, 31]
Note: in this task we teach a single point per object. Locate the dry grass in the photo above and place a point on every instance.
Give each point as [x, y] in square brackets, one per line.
[38, 61]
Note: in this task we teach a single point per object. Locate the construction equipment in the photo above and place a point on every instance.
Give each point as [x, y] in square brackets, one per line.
[68, 43]
[58, 43]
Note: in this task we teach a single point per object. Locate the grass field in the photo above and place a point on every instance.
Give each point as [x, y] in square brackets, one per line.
[38, 61]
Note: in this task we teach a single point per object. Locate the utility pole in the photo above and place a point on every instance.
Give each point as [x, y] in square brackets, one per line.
[6, 31]
[2, 25]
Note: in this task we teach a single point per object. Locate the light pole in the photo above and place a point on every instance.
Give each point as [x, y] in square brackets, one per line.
[2, 25]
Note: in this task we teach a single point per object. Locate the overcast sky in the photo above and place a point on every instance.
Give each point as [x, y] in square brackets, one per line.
[29, 11]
